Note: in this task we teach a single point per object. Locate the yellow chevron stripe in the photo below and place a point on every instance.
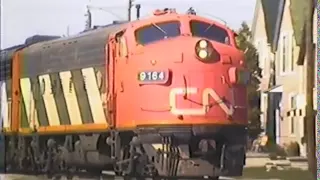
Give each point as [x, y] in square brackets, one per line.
[94, 96]
[4, 106]
[8, 123]
[71, 98]
[29, 102]
[50, 104]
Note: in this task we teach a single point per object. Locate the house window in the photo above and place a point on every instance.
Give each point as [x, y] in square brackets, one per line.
[286, 52]
[292, 130]
[316, 65]
[293, 107]
[264, 102]
[261, 50]
[292, 53]
[277, 63]
[123, 47]
[293, 102]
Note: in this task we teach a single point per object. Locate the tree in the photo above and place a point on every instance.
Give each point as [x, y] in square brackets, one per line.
[310, 117]
[252, 63]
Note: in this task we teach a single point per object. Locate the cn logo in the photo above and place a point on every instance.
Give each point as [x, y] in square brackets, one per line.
[206, 94]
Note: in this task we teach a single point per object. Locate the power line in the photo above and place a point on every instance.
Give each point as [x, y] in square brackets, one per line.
[108, 9]
[105, 9]
[173, 3]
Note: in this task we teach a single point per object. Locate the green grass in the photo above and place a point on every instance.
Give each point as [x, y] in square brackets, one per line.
[261, 173]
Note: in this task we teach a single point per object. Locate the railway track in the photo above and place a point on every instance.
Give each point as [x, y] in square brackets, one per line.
[106, 175]
[61, 175]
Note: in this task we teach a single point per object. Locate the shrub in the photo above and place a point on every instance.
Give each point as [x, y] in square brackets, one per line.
[275, 151]
[292, 149]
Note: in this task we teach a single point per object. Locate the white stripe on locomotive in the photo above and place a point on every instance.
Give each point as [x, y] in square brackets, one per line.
[49, 102]
[4, 116]
[94, 96]
[71, 98]
[29, 102]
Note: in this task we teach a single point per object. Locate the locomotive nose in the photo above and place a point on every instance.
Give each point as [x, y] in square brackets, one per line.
[205, 51]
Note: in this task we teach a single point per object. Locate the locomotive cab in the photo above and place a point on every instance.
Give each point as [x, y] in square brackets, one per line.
[185, 78]
[173, 53]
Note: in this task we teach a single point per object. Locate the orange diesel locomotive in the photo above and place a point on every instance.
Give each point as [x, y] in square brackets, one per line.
[162, 96]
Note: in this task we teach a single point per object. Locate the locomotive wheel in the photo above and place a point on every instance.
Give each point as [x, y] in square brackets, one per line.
[32, 159]
[11, 155]
[124, 155]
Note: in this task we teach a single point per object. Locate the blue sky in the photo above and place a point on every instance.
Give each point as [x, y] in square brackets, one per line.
[23, 18]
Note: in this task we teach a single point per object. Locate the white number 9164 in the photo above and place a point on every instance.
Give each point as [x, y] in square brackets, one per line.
[147, 76]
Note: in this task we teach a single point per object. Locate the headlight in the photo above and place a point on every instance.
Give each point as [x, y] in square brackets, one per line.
[203, 49]
[203, 54]
[203, 43]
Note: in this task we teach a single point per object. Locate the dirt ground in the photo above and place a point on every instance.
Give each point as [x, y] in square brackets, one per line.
[291, 174]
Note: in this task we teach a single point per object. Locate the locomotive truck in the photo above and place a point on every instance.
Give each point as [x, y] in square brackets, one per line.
[161, 96]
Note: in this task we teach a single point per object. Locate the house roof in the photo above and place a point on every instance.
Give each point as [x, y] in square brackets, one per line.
[297, 11]
[298, 17]
[255, 17]
[278, 23]
[275, 89]
[271, 12]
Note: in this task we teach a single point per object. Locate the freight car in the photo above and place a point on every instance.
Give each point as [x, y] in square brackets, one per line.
[162, 96]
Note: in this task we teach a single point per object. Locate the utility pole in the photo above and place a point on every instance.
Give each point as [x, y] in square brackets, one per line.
[68, 30]
[129, 9]
[88, 24]
[310, 117]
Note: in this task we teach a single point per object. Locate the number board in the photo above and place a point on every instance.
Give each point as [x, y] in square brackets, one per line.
[152, 76]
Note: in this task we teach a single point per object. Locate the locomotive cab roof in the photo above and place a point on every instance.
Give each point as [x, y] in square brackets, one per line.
[7, 54]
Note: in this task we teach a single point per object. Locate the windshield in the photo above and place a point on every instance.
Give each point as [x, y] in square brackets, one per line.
[157, 31]
[209, 31]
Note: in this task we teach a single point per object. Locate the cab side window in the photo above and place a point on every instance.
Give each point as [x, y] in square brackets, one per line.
[122, 48]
